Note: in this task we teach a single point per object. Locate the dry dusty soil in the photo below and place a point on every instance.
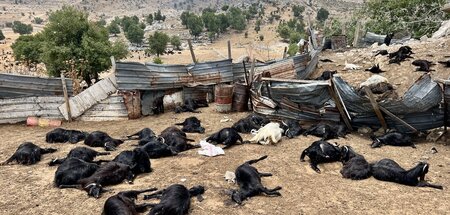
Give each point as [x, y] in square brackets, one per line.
[30, 190]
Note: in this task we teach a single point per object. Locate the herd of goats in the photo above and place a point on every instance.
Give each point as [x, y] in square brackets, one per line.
[80, 170]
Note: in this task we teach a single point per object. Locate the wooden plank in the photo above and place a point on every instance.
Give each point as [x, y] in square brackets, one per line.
[229, 49]
[285, 52]
[398, 119]
[339, 105]
[376, 108]
[192, 51]
[66, 97]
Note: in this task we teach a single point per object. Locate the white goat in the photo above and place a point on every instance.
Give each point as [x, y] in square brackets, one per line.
[350, 66]
[269, 134]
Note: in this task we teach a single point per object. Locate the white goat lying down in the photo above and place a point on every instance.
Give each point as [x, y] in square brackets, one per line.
[269, 134]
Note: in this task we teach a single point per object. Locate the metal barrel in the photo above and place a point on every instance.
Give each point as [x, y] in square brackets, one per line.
[240, 97]
[223, 97]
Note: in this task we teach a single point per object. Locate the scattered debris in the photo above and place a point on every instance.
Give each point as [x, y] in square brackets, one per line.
[230, 177]
[210, 150]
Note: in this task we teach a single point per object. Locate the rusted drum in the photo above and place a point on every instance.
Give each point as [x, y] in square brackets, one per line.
[224, 97]
[240, 97]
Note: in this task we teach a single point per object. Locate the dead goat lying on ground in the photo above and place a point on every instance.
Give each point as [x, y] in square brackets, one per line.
[252, 121]
[176, 139]
[191, 105]
[123, 203]
[269, 134]
[321, 152]
[445, 63]
[137, 159]
[291, 128]
[327, 131]
[60, 135]
[400, 55]
[192, 125]
[72, 170]
[175, 199]
[355, 165]
[82, 153]
[28, 153]
[102, 139]
[249, 180]
[110, 173]
[389, 170]
[226, 136]
[393, 139]
[144, 136]
[375, 69]
[424, 65]
[157, 149]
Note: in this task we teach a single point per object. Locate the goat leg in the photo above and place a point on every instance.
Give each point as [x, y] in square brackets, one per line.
[302, 156]
[314, 167]
[426, 184]
[261, 174]
[101, 161]
[156, 195]
[142, 207]
[271, 192]
[13, 157]
[76, 186]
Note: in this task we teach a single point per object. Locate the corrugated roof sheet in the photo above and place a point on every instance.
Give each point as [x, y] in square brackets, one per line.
[16, 86]
[18, 109]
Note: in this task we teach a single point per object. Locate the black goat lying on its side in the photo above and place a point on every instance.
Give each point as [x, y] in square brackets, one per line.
[400, 55]
[393, 139]
[142, 134]
[321, 152]
[355, 165]
[137, 159]
[226, 136]
[28, 153]
[249, 123]
[110, 173]
[157, 149]
[375, 69]
[72, 170]
[191, 105]
[192, 125]
[82, 153]
[327, 131]
[102, 139]
[291, 128]
[389, 170]
[123, 203]
[60, 135]
[176, 139]
[175, 199]
[249, 180]
[424, 65]
[445, 63]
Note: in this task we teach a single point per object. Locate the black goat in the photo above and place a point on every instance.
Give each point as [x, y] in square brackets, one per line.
[382, 52]
[60, 135]
[445, 63]
[158, 149]
[72, 170]
[102, 139]
[424, 65]
[191, 105]
[375, 69]
[83, 153]
[175, 199]
[291, 128]
[110, 173]
[192, 125]
[137, 159]
[226, 136]
[158, 105]
[28, 153]
[142, 134]
[389, 170]
[249, 123]
[388, 38]
[327, 131]
[176, 139]
[355, 165]
[326, 60]
[249, 180]
[393, 139]
[326, 75]
[400, 55]
[123, 203]
[321, 152]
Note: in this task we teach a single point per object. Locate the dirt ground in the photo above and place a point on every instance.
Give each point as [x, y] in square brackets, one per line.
[29, 189]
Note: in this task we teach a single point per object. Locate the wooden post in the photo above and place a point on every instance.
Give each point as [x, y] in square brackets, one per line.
[245, 75]
[284, 52]
[192, 51]
[66, 97]
[357, 32]
[252, 72]
[229, 49]
[339, 106]
[376, 108]
[398, 119]
[113, 65]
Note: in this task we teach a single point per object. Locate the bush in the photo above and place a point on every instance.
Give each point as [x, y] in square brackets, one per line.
[157, 60]
[175, 41]
[293, 49]
[322, 15]
[38, 20]
[21, 28]
[158, 43]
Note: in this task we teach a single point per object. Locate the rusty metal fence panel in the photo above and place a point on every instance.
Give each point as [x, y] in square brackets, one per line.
[16, 86]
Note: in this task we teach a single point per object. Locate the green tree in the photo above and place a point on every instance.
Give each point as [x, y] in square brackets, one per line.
[293, 49]
[135, 34]
[157, 60]
[27, 48]
[113, 28]
[211, 21]
[298, 10]
[149, 19]
[101, 22]
[175, 41]
[284, 31]
[184, 18]
[223, 22]
[21, 28]
[322, 15]
[237, 18]
[225, 7]
[69, 35]
[195, 25]
[211, 36]
[2, 37]
[158, 43]
[158, 16]
[38, 20]
[294, 37]
[128, 21]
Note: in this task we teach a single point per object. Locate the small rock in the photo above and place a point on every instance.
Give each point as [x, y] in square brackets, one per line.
[434, 150]
[183, 180]
[379, 132]
[424, 38]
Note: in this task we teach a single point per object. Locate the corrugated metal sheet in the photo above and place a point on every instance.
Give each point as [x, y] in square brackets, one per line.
[136, 76]
[89, 97]
[199, 92]
[311, 65]
[110, 109]
[15, 86]
[18, 109]
[238, 70]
